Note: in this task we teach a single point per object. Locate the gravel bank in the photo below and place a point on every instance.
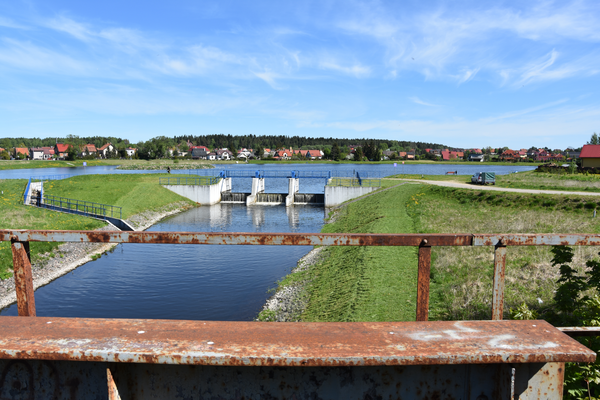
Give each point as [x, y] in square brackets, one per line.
[289, 302]
[69, 256]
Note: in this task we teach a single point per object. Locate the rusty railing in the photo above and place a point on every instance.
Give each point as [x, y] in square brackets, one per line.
[197, 359]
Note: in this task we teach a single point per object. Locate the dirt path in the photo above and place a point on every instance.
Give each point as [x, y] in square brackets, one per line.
[495, 188]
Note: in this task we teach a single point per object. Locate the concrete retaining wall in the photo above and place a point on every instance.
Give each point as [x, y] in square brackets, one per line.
[336, 195]
[205, 195]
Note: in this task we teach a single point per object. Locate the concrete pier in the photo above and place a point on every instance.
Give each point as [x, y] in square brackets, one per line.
[258, 186]
[336, 195]
[293, 188]
[202, 194]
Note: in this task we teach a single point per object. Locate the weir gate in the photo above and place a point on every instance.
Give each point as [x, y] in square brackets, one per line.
[211, 187]
[80, 358]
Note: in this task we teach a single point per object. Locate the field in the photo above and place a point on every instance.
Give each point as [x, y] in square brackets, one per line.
[379, 284]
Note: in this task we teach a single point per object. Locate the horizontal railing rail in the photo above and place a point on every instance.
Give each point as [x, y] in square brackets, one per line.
[151, 358]
[354, 182]
[200, 180]
[51, 177]
[82, 207]
[424, 242]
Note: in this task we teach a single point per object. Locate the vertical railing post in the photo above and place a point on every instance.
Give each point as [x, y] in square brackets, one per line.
[423, 281]
[23, 278]
[499, 271]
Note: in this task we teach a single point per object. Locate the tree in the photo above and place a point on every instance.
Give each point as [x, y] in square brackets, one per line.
[335, 152]
[4, 155]
[259, 151]
[71, 153]
[358, 154]
[594, 139]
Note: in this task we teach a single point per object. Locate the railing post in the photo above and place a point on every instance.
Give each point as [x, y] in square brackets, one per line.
[499, 271]
[23, 278]
[423, 281]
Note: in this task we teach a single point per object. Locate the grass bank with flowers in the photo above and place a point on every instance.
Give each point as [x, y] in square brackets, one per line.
[135, 193]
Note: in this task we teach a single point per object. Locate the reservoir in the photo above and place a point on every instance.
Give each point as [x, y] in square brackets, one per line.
[196, 282]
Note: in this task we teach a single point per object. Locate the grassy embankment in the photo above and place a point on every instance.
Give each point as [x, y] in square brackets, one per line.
[379, 284]
[525, 180]
[135, 193]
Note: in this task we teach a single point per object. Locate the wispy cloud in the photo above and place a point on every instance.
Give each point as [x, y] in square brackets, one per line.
[8, 23]
[356, 70]
[421, 102]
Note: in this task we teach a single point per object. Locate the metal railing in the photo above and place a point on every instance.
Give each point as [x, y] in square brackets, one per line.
[118, 351]
[424, 242]
[81, 207]
[354, 182]
[200, 180]
[51, 177]
[26, 191]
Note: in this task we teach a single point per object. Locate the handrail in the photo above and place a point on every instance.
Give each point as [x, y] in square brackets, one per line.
[200, 180]
[83, 207]
[424, 242]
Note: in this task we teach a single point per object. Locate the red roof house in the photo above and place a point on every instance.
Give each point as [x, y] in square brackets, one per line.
[590, 156]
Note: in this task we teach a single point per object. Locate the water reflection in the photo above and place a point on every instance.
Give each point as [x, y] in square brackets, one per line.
[210, 282]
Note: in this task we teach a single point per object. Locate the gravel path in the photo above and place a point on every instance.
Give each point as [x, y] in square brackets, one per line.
[496, 188]
[69, 256]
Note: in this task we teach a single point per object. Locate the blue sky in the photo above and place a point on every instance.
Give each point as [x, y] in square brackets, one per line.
[461, 73]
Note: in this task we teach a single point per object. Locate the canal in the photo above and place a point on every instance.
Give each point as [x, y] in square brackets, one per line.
[199, 282]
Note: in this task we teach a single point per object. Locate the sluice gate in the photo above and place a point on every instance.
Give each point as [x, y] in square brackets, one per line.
[130, 358]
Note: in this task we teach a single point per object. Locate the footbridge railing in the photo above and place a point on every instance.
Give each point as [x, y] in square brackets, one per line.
[197, 359]
[200, 180]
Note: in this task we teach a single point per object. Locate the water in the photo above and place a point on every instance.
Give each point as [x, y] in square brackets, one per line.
[198, 282]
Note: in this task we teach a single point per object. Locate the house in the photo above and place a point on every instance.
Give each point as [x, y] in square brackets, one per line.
[314, 154]
[283, 154]
[130, 151]
[448, 155]
[510, 155]
[476, 157]
[590, 156]
[88, 149]
[223, 154]
[61, 150]
[36, 153]
[21, 150]
[200, 153]
[105, 150]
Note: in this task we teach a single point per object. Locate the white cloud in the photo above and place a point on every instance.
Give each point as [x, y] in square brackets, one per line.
[25, 55]
[355, 70]
[71, 27]
[421, 102]
[9, 23]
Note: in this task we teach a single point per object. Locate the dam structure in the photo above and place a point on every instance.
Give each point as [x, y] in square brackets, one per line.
[217, 187]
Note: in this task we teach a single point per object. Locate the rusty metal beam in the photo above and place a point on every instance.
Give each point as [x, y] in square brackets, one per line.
[499, 275]
[424, 273]
[298, 344]
[240, 238]
[535, 239]
[574, 331]
[23, 278]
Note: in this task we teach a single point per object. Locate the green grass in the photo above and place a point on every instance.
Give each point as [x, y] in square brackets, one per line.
[15, 215]
[369, 283]
[135, 193]
[461, 278]
[547, 181]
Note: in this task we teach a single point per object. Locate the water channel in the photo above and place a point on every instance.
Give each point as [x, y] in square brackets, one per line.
[203, 282]
[200, 282]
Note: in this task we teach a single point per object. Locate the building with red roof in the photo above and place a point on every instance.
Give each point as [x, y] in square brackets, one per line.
[590, 156]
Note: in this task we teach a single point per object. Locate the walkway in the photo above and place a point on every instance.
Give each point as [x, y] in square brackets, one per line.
[495, 188]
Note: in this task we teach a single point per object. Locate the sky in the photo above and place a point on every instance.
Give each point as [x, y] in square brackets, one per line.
[461, 73]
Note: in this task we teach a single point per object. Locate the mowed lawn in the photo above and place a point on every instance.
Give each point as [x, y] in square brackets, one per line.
[135, 193]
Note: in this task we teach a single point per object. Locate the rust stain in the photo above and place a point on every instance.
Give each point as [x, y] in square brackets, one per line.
[287, 344]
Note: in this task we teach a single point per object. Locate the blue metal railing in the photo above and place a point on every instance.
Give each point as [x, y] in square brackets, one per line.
[51, 177]
[200, 180]
[26, 191]
[81, 207]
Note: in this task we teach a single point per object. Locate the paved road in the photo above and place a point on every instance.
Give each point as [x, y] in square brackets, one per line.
[496, 188]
